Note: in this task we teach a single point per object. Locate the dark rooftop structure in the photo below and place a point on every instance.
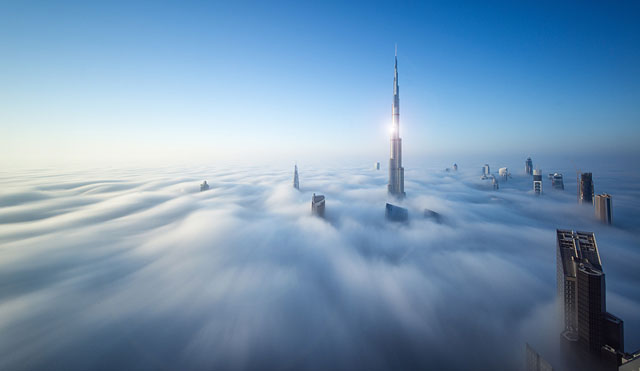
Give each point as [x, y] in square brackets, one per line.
[396, 213]
[432, 215]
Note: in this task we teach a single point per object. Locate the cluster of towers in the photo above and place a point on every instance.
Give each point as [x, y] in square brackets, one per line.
[586, 195]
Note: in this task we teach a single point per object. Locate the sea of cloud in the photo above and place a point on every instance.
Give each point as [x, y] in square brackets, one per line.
[137, 269]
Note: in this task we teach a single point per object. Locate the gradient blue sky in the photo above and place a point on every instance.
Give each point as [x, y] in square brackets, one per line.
[125, 81]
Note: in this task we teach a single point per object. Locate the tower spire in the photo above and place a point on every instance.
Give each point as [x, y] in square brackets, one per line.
[396, 171]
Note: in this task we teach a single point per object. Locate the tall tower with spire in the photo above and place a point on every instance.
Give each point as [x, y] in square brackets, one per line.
[396, 171]
[296, 182]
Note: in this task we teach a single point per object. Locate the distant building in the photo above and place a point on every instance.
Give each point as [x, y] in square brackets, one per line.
[585, 188]
[557, 182]
[204, 186]
[494, 182]
[430, 214]
[528, 166]
[485, 170]
[535, 362]
[581, 295]
[396, 213]
[455, 167]
[503, 172]
[296, 181]
[376, 165]
[317, 205]
[537, 181]
[603, 208]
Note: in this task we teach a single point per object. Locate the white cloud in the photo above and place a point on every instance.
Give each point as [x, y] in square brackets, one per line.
[139, 269]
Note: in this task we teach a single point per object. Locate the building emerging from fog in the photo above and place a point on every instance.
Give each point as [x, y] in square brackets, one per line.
[485, 170]
[494, 182]
[296, 181]
[204, 186]
[503, 172]
[588, 327]
[396, 213]
[535, 362]
[557, 182]
[528, 166]
[376, 166]
[585, 188]
[603, 208]
[396, 171]
[537, 181]
[317, 205]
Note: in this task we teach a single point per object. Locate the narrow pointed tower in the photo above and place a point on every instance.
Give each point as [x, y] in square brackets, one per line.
[296, 183]
[396, 171]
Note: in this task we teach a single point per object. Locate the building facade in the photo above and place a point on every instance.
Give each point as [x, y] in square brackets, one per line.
[603, 208]
[585, 188]
[537, 181]
[317, 205]
[557, 181]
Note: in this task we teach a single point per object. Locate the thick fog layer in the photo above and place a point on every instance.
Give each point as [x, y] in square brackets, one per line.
[138, 269]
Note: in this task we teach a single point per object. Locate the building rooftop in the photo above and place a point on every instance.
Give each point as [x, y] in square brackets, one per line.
[578, 246]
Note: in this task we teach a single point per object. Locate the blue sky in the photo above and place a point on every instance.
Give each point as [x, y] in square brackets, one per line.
[121, 81]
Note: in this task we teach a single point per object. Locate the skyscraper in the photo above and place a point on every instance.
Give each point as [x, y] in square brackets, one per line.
[557, 181]
[603, 208]
[528, 166]
[537, 181]
[591, 306]
[585, 188]
[486, 170]
[296, 182]
[581, 294]
[317, 205]
[396, 213]
[503, 172]
[494, 182]
[396, 171]
[535, 362]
